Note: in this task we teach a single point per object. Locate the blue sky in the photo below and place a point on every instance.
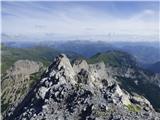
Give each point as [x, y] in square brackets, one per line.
[80, 19]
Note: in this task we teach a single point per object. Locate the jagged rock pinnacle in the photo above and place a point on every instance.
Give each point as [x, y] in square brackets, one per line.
[81, 92]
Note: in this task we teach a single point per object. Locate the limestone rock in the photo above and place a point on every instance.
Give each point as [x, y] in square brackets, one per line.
[79, 92]
[78, 65]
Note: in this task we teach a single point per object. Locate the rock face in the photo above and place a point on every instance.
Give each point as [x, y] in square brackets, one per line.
[24, 67]
[16, 82]
[81, 92]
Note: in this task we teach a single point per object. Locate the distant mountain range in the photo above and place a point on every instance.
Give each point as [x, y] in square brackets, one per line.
[145, 53]
[114, 58]
[154, 67]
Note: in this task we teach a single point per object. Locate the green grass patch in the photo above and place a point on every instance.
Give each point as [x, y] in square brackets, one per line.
[133, 108]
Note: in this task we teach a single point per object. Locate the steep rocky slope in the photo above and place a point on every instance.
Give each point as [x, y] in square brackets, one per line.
[130, 76]
[17, 81]
[80, 92]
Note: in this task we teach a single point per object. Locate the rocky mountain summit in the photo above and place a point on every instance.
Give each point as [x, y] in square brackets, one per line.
[80, 91]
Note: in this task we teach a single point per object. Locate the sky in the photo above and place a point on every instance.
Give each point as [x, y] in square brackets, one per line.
[81, 20]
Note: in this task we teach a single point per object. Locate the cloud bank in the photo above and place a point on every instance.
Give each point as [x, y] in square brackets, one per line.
[89, 19]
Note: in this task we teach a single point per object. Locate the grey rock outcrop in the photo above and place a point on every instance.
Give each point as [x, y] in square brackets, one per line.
[81, 92]
[25, 67]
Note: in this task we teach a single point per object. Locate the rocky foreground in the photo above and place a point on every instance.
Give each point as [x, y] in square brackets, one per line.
[80, 92]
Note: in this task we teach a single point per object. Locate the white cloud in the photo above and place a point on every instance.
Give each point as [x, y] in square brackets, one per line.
[39, 20]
